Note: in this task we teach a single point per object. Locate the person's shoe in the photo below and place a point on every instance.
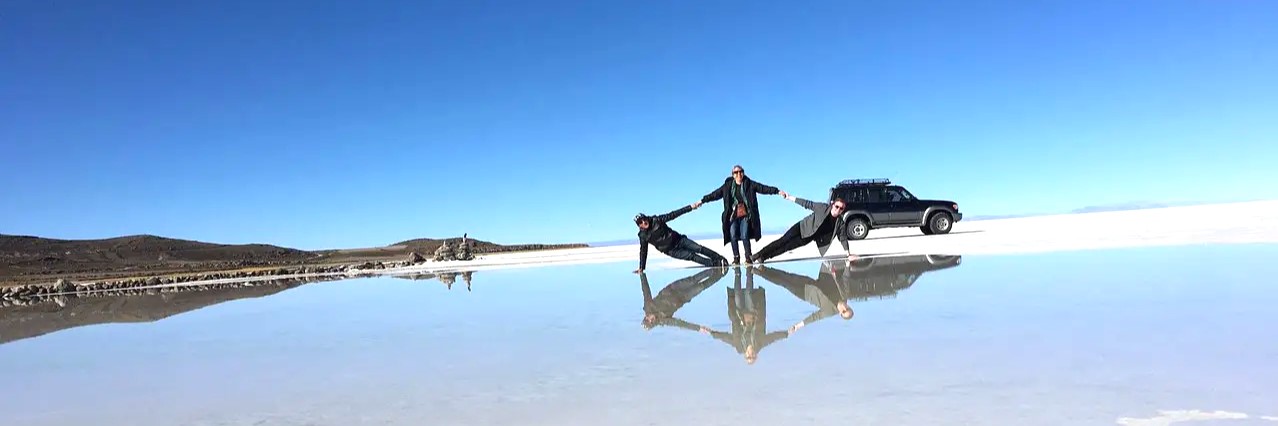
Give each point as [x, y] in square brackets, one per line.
[736, 260]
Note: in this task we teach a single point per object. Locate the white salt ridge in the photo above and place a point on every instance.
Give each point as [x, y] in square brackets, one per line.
[1232, 223]
[1167, 417]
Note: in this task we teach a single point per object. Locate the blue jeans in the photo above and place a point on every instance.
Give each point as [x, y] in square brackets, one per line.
[687, 249]
[739, 230]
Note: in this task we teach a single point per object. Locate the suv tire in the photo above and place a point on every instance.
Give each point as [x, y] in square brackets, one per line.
[857, 229]
[940, 223]
[926, 230]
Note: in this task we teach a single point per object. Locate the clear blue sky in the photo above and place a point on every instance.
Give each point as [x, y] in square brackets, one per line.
[317, 125]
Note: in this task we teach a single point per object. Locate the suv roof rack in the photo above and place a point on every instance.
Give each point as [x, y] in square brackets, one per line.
[876, 181]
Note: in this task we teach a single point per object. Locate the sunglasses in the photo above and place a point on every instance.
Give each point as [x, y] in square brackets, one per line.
[737, 172]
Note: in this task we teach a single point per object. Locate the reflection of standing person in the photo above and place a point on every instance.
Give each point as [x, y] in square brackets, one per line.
[448, 278]
[741, 221]
[466, 277]
[653, 230]
[747, 309]
[823, 225]
[660, 310]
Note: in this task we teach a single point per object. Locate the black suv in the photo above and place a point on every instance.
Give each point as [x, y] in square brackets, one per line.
[877, 203]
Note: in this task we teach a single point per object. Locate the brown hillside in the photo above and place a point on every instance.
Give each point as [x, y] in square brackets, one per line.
[24, 255]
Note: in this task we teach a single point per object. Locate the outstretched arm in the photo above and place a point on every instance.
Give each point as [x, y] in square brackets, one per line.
[672, 215]
[716, 194]
[843, 237]
[767, 189]
[808, 204]
[643, 255]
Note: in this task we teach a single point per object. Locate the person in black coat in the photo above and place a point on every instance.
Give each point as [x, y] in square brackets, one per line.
[653, 230]
[740, 218]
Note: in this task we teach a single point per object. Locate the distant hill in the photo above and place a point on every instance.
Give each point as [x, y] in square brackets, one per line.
[26, 254]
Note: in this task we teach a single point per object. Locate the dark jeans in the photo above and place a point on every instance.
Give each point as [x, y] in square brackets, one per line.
[687, 249]
[790, 241]
[739, 230]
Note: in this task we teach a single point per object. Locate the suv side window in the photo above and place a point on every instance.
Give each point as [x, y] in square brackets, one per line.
[849, 195]
[875, 195]
[894, 195]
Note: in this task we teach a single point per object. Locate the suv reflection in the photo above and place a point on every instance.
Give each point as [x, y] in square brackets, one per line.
[883, 277]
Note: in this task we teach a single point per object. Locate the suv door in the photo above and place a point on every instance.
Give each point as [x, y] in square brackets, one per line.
[905, 207]
[876, 202]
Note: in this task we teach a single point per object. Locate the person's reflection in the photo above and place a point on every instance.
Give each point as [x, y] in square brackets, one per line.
[448, 278]
[660, 310]
[823, 292]
[747, 310]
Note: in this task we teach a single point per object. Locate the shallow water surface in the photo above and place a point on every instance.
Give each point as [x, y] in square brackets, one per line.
[1101, 337]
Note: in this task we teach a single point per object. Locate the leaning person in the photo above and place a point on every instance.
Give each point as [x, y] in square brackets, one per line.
[653, 230]
[824, 224]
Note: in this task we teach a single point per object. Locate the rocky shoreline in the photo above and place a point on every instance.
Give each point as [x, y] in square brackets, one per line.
[35, 293]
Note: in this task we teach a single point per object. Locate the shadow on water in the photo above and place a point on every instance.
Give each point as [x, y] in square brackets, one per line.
[54, 314]
[829, 291]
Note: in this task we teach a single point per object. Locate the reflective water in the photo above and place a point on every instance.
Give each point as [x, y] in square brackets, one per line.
[1068, 338]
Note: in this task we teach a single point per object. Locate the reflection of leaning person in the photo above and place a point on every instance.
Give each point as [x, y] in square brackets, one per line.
[653, 230]
[660, 310]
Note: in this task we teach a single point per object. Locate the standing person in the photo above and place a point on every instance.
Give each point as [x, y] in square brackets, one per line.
[740, 210]
[825, 223]
[653, 230]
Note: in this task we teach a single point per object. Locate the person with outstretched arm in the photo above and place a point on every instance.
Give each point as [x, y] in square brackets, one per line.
[654, 230]
[823, 225]
[741, 220]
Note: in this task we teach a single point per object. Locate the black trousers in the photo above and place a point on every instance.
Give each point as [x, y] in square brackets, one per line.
[788, 241]
[687, 249]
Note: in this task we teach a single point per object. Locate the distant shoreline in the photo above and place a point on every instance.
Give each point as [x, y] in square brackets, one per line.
[28, 260]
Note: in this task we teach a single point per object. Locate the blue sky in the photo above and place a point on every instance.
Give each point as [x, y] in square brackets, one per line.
[318, 125]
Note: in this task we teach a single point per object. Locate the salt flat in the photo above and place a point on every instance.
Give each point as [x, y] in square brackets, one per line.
[1229, 223]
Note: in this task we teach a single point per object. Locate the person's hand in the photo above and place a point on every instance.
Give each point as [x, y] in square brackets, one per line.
[851, 257]
[783, 194]
[696, 205]
[639, 271]
[703, 329]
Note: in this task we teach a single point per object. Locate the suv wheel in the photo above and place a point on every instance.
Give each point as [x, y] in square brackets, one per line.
[926, 230]
[857, 228]
[940, 223]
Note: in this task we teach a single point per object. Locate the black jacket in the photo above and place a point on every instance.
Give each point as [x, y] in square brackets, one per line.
[659, 234]
[749, 189]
